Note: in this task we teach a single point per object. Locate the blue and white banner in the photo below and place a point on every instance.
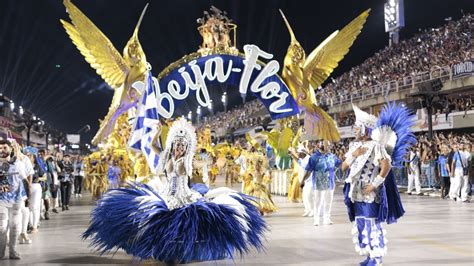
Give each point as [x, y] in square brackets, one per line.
[248, 73]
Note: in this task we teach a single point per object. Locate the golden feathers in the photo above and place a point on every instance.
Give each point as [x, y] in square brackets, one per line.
[119, 71]
[303, 74]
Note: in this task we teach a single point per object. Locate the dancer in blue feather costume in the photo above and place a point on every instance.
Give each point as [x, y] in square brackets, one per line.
[176, 224]
[371, 194]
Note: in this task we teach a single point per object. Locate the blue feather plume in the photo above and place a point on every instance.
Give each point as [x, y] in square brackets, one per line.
[398, 118]
[138, 221]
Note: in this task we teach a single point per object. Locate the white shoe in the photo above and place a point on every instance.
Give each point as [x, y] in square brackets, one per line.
[327, 222]
[80, 195]
[316, 223]
[311, 214]
[305, 214]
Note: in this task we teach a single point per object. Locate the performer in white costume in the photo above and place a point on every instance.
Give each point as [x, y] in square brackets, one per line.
[370, 192]
[176, 224]
[414, 173]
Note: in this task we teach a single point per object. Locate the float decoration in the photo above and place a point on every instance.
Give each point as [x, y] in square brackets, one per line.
[305, 74]
[216, 61]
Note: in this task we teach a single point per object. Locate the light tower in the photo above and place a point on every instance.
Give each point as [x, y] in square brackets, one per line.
[394, 19]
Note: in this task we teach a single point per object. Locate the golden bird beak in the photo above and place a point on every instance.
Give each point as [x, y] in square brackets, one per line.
[135, 32]
[293, 38]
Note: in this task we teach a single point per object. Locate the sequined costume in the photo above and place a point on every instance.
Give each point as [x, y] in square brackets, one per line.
[258, 184]
[176, 224]
[96, 180]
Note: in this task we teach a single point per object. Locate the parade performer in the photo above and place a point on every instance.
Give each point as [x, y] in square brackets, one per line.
[246, 161]
[176, 224]
[258, 185]
[321, 166]
[213, 172]
[126, 168]
[236, 151]
[370, 191]
[241, 162]
[96, 174]
[113, 174]
[229, 169]
[301, 155]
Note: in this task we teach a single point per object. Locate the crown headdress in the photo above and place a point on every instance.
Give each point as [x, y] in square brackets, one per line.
[180, 131]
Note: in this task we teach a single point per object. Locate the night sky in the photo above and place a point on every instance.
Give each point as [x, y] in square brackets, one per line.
[41, 70]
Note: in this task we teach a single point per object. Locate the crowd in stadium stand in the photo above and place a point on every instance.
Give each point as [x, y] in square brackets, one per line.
[240, 116]
[428, 49]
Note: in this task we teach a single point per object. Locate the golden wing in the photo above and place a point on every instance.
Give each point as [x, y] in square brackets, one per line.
[325, 58]
[272, 138]
[318, 123]
[97, 49]
[296, 138]
[285, 139]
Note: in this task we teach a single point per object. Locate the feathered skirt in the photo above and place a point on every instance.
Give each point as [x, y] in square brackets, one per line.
[136, 219]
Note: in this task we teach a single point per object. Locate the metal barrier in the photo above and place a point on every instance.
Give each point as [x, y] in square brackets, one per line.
[385, 88]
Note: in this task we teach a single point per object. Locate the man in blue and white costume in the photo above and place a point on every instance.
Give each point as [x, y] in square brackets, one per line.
[320, 167]
[371, 195]
[332, 163]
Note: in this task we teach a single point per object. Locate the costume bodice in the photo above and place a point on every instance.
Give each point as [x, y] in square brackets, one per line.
[176, 191]
[363, 172]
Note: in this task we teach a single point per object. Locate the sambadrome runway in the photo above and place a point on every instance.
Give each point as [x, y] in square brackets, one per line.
[432, 232]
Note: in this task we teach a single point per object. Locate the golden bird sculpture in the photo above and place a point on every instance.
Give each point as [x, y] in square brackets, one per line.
[118, 71]
[303, 74]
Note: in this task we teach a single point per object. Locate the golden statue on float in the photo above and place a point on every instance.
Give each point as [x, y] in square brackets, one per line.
[304, 74]
[215, 30]
[118, 71]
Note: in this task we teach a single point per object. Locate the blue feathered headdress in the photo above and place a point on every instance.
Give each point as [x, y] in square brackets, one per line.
[396, 117]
